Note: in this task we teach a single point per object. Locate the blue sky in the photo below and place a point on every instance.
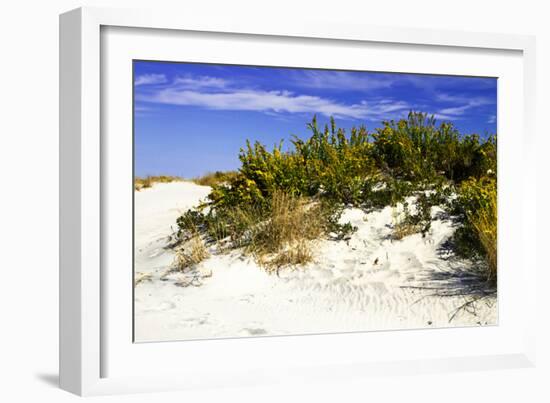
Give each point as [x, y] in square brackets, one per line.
[193, 118]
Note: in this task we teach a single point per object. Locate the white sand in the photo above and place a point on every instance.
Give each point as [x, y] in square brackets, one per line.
[366, 283]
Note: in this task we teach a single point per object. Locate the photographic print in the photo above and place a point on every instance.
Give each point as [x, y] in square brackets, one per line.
[274, 201]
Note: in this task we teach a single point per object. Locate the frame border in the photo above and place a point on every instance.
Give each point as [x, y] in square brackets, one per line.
[81, 308]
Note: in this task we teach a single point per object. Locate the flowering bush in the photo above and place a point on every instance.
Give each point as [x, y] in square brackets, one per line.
[365, 170]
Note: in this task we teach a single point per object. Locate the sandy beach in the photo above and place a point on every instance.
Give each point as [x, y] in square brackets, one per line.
[367, 282]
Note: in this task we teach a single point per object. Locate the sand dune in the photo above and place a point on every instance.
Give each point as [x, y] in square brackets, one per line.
[369, 282]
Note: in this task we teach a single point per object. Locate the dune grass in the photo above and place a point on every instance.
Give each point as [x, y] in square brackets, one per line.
[297, 254]
[484, 222]
[215, 178]
[190, 254]
[403, 229]
[148, 181]
[283, 239]
[141, 278]
[476, 206]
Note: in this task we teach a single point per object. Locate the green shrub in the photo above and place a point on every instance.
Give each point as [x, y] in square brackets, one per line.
[330, 214]
[332, 169]
[418, 222]
[416, 149]
[380, 191]
[329, 163]
[403, 156]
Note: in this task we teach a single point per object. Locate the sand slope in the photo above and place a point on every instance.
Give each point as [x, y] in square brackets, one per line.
[368, 282]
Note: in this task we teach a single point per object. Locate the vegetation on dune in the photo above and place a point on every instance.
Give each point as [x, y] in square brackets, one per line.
[419, 221]
[281, 238]
[190, 254]
[215, 178]
[279, 201]
[148, 181]
[142, 183]
[416, 149]
[476, 205]
[276, 234]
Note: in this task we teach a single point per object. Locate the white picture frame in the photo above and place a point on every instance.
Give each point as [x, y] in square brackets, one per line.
[86, 346]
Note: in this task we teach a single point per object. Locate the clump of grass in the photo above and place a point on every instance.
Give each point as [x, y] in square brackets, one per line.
[190, 254]
[148, 181]
[282, 238]
[404, 229]
[142, 277]
[277, 234]
[215, 178]
[298, 254]
[484, 222]
[476, 204]
[142, 183]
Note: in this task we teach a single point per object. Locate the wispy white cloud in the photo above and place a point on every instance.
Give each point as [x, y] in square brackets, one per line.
[442, 116]
[457, 98]
[436, 84]
[340, 80]
[276, 102]
[148, 79]
[201, 82]
[142, 110]
[462, 105]
[492, 119]
[221, 94]
[457, 110]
